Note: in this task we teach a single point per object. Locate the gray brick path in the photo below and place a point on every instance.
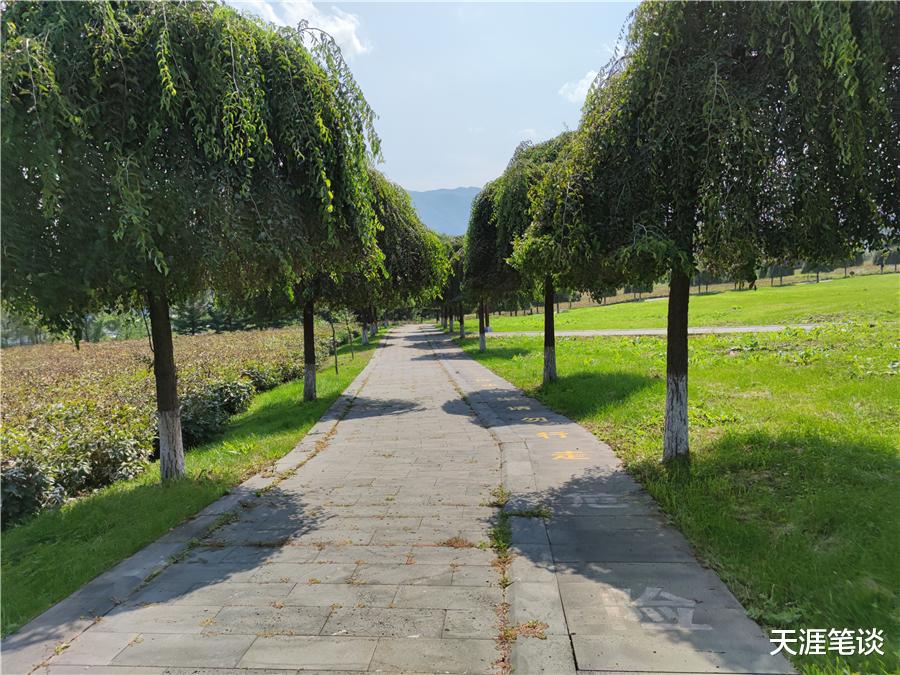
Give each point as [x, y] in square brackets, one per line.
[367, 556]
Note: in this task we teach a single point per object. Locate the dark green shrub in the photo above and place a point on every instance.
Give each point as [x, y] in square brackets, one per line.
[206, 409]
[23, 487]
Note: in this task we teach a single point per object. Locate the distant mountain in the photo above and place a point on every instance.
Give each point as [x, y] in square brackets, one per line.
[444, 210]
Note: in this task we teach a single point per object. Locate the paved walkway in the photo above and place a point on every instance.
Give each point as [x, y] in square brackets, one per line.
[358, 552]
[698, 330]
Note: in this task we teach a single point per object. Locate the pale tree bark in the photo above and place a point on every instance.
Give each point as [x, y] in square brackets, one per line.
[309, 352]
[334, 346]
[675, 432]
[452, 319]
[349, 337]
[171, 445]
[481, 328]
[549, 333]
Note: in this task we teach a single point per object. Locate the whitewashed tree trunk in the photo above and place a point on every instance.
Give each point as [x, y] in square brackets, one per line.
[309, 384]
[675, 438]
[309, 352]
[549, 333]
[171, 449]
[364, 334]
[549, 364]
[168, 408]
[675, 430]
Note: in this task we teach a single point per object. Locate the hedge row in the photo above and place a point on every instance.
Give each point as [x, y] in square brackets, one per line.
[77, 420]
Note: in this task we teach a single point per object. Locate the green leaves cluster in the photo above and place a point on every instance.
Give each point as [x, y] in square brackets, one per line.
[729, 133]
[173, 146]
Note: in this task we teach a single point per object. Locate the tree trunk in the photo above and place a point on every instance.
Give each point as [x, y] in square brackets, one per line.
[171, 445]
[309, 352]
[363, 333]
[452, 319]
[487, 318]
[675, 434]
[462, 322]
[349, 337]
[817, 276]
[334, 347]
[549, 333]
[481, 327]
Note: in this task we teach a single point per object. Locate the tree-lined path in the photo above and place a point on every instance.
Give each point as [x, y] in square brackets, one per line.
[363, 554]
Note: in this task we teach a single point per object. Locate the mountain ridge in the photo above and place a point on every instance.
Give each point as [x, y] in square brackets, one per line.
[445, 210]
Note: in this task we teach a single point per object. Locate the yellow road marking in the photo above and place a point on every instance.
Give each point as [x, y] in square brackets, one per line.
[547, 434]
[569, 454]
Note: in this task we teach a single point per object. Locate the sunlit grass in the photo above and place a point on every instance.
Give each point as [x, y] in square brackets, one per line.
[861, 298]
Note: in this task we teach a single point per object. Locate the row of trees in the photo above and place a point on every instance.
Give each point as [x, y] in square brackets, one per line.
[728, 135]
[155, 151]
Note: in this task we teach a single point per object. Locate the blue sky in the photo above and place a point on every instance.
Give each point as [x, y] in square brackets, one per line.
[457, 86]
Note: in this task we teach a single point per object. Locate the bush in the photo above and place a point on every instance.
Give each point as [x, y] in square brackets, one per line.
[76, 420]
[205, 411]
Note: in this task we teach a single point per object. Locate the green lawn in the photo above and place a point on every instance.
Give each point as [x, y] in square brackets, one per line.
[792, 493]
[860, 298]
[49, 557]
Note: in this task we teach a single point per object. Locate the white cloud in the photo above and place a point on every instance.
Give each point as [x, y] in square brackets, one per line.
[576, 90]
[341, 25]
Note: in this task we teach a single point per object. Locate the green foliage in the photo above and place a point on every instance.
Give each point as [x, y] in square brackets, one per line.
[415, 263]
[75, 421]
[524, 248]
[167, 148]
[729, 133]
[454, 250]
[486, 273]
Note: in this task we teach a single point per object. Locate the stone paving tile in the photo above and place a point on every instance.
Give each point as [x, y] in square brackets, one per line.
[202, 651]
[345, 653]
[328, 595]
[381, 622]
[471, 623]
[95, 648]
[158, 619]
[427, 655]
[287, 620]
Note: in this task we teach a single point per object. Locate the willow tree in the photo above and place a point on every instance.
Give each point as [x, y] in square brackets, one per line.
[138, 140]
[485, 271]
[514, 215]
[730, 133]
[415, 264]
[451, 295]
